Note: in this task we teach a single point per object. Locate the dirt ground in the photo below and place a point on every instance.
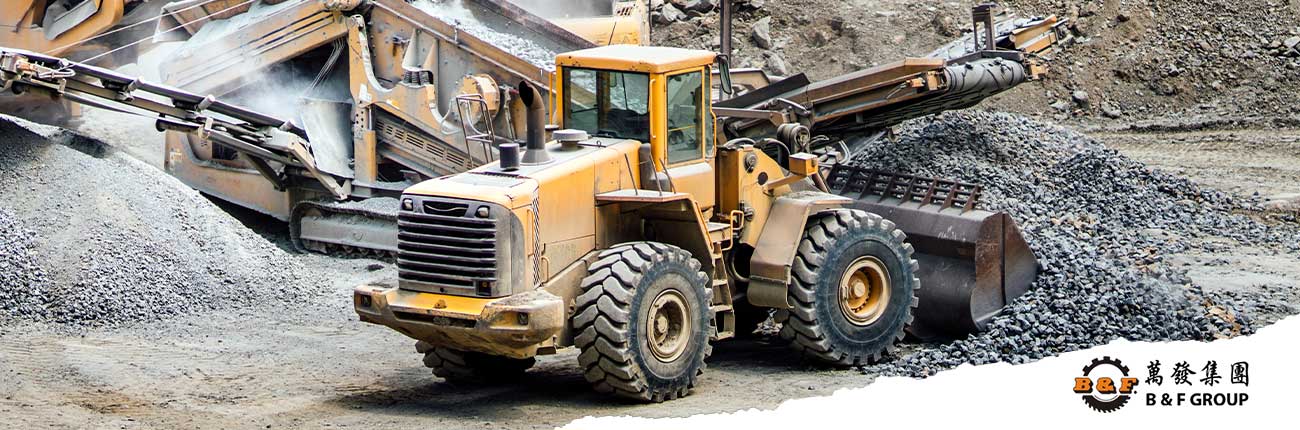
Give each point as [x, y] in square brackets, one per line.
[1240, 161]
[1251, 163]
[317, 367]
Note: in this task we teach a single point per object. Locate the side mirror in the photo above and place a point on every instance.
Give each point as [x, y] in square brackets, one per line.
[724, 74]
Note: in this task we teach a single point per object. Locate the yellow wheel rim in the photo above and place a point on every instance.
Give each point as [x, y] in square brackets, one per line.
[864, 291]
[668, 325]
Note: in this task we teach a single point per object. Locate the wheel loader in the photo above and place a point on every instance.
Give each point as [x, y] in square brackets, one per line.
[621, 238]
[655, 222]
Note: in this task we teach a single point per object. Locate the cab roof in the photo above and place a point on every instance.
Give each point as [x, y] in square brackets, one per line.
[645, 59]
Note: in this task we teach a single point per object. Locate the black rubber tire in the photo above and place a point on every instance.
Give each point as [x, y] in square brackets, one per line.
[465, 366]
[814, 325]
[611, 314]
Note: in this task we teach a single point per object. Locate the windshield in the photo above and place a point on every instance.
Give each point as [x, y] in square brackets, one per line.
[607, 104]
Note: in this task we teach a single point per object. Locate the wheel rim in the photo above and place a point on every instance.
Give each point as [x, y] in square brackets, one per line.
[864, 291]
[669, 325]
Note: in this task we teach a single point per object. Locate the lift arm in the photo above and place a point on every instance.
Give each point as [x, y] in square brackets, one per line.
[274, 146]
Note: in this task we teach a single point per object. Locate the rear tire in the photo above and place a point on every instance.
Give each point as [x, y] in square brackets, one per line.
[853, 287]
[643, 322]
[465, 366]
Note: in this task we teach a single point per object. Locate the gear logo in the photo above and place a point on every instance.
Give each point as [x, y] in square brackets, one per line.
[1098, 387]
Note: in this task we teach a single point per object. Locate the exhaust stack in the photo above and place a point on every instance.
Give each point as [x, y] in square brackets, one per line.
[535, 142]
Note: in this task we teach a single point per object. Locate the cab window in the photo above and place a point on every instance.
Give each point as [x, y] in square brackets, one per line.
[607, 104]
[685, 117]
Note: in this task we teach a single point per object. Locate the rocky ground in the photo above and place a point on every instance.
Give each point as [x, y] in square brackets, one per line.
[1154, 174]
[1199, 61]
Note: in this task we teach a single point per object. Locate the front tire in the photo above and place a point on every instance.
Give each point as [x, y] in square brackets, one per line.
[643, 322]
[465, 366]
[853, 288]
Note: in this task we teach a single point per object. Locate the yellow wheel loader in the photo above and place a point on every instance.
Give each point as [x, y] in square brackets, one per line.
[634, 234]
[625, 249]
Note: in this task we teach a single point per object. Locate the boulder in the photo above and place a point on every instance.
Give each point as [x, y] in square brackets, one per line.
[776, 64]
[700, 6]
[667, 14]
[1080, 98]
[761, 33]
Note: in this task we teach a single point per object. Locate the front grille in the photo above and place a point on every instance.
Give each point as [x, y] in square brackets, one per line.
[444, 247]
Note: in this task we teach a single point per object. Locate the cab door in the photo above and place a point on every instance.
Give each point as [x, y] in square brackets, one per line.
[686, 134]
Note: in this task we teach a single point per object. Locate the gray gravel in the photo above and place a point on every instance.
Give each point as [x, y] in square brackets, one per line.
[106, 241]
[22, 278]
[454, 12]
[1100, 224]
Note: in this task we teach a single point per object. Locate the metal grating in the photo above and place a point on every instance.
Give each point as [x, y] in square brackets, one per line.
[847, 180]
[443, 250]
[391, 131]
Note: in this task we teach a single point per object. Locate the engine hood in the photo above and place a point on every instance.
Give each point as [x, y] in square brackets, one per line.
[518, 188]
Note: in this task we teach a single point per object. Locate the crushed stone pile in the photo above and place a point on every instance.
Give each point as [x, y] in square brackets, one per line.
[101, 241]
[1101, 225]
[22, 278]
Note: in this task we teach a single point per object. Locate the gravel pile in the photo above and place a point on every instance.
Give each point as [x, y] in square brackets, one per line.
[22, 278]
[1101, 225]
[104, 241]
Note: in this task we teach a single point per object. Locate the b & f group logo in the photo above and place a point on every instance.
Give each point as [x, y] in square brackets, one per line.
[1105, 384]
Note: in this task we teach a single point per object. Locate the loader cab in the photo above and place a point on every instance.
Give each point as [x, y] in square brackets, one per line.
[655, 95]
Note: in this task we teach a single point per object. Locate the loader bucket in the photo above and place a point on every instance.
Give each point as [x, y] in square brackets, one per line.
[972, 262]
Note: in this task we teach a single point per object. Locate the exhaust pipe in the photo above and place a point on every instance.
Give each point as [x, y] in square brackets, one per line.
[535, 141]
[509, 156]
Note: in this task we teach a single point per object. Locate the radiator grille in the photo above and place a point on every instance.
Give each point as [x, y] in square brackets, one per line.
[443, 247]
